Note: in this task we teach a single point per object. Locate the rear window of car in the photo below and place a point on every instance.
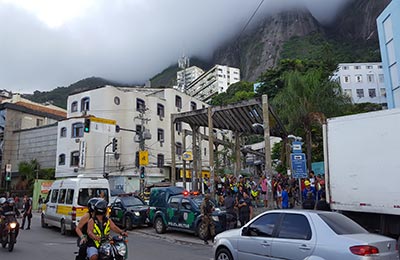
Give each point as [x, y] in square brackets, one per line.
[341, 225]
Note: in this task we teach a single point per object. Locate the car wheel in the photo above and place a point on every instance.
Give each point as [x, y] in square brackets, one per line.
[128, 223]
[63, 228]
[159, 225]
[202, 232]
[223, 254]
[42, 222]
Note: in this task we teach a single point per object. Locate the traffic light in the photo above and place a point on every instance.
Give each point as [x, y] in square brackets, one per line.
[117, 128]
[86, 127]
[114, 144]
[8, 176]
[142, 172]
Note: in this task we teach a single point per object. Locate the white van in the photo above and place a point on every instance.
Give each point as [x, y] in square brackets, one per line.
[67, 201]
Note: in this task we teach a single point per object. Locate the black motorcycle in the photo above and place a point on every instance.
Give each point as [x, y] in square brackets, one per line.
[113, 248]
[10, 231]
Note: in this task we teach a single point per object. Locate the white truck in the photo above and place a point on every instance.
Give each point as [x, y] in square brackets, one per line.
[362, 169]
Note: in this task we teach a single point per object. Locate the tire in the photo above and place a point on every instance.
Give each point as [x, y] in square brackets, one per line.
[159, 225]
[128, 223]
[223, 254]
[42, 222]
[201, 232]
[11, 242]
[63, 228]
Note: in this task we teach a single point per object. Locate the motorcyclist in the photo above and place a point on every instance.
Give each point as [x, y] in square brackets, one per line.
[81, 229]
[8, 212]
[99, 227]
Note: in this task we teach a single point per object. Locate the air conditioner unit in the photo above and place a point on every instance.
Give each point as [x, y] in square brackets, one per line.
[179, 109]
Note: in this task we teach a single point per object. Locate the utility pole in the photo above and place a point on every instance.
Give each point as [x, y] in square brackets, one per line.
[143, 154]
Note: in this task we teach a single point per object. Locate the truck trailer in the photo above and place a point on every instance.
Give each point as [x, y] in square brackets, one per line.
[362, 169]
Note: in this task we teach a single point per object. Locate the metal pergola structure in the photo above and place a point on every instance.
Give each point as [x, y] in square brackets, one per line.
[240, 118]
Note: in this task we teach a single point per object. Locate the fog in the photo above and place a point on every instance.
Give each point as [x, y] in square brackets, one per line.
[48, 43]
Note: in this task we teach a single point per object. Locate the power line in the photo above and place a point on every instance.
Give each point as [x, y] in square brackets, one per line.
[251, 18]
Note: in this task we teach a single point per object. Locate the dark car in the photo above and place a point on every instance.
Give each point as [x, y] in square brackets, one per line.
[176, 209]
[129, 210]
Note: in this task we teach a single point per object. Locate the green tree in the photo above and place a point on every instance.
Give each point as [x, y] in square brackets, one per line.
[238, 91]
[306, 100]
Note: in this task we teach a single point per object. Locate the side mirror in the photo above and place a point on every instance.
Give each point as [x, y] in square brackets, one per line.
[245, 231]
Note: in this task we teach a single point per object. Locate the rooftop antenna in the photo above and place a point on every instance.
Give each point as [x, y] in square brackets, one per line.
[184, 63]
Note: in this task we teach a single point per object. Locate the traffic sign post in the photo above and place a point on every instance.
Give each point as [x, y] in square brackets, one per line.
[299, 166]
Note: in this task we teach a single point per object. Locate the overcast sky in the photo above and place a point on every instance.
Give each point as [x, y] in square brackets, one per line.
[49, 43]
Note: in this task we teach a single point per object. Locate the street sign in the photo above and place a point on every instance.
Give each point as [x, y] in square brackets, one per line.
[143, 158]
[187, 156]
[296, 147]
[299, 169]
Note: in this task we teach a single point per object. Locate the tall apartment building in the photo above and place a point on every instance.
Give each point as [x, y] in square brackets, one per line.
[213, 82]
[133, 110]
[187, 76]
[28, 131]
[363, 82]
[389, 39]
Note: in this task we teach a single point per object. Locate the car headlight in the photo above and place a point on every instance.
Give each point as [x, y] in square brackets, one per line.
[13, 225]
[137, 213]
[215, 218]
[121, 248]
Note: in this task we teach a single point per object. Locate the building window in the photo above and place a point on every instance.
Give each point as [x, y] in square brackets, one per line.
[117, 101]
[360, 93]
[193, 105]
[383, 92]
[140, 105]
[346, 79]
[380, 67]
[74, 106]
[85, 104]
[359, 78]
[39, 121]
[63, 132]
[381, 78]
[61, 159]
[179, 148]
[345, 67]
[205, 151]
[160, 110]
[77, 130]
[160, 160]
[369, 67]
[372, 92]
[160, 135]
[348, 92]
[357, 67]
[178, 127]
[75, 158]
[178, 102]
[370, 78]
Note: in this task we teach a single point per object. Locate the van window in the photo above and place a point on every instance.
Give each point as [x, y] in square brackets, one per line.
[61, 197]
[88, 193]
[70, 196]
[47, 197]
[54, 196]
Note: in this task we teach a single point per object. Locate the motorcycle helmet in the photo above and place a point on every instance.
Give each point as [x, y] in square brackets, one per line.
[100, 208]
[91, 203]
[2, 200]
[10, 201]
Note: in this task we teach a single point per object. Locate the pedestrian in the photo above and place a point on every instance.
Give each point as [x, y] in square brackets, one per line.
[322, 204]
[207, 224]
[40, 202]
[308, 188]
[245, 209]
[264, 190]
[285, 198]
[27, 209]
[231, 216]
[309, 202]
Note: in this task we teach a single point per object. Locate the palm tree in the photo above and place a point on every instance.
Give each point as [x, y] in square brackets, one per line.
[306, 100]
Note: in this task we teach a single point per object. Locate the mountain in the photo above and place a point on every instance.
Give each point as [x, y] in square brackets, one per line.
[59, 96]
[259, 49]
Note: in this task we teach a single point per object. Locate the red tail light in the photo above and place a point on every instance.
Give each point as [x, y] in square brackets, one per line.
[185, 193]
[364, 250]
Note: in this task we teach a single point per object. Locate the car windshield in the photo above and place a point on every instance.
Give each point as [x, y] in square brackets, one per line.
[199, 200]
[132, 201]
[341, 225]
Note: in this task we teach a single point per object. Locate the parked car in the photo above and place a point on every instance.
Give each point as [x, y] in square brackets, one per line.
[173, 208]
[300, 234]
[129, 210]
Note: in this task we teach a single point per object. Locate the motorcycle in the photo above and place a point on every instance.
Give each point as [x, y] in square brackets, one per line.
[113, 248]
[10, 231]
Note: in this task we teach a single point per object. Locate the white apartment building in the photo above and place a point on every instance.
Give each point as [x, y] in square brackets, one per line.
[187, 76]
[213, 82]
[363, 82]
[80, 152]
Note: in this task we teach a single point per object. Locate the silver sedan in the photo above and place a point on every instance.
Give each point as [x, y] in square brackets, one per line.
[302, 235]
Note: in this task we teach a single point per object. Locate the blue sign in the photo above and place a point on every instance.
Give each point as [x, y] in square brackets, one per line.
[296, 147]
[299, 168]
